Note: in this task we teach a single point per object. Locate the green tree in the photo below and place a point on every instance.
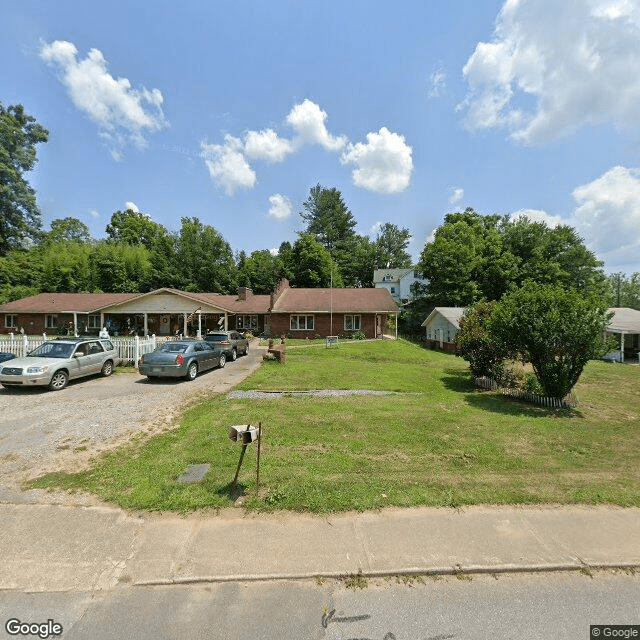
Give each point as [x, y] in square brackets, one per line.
[328, 217]
[557, 330]
[391, 247]
[205, 258]
[355, 258]
[134, 227]
[66, 266]
[118, 267]
[68, 228]
[19, 214]
[476, 257]
[312, 265]
[477, 346]
[261, 271]
[624, 291]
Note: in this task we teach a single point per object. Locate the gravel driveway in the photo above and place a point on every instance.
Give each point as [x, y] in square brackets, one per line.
[41, 430]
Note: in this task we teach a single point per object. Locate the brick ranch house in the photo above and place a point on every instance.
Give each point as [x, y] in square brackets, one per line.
[298, 312]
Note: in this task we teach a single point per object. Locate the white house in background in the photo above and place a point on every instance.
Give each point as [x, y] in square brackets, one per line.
[442, 325]
[397, 281]
[626, 324]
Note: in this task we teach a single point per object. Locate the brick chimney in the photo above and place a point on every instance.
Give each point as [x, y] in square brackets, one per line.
[244, 293]
[280, 288]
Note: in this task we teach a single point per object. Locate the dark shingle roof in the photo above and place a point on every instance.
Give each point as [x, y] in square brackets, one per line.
[336, 300]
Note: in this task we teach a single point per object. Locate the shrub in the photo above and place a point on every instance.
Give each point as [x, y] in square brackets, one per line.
[358, 335]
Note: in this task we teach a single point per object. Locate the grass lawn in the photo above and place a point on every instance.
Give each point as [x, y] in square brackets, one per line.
[433, 441]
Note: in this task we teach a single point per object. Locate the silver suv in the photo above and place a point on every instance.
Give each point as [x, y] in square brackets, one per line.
[55, 362]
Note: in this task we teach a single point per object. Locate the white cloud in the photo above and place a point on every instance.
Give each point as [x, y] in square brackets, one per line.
[94, 214]
[121, 112]
[538, 215]
[375, 228]
[131, 205]
[608, 216]
[308, 121]
[281, 207]
[227, 165]
[384, 163]
[437, 83]
[267, 145]
[457, 193]
[553, 67]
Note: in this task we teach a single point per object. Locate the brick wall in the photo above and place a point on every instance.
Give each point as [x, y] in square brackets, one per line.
[33, 323]
[279, 323]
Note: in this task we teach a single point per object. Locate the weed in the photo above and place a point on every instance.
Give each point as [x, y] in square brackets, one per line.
[356, 581]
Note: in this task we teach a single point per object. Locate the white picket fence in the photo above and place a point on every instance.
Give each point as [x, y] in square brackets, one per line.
[129, 349]
[569, 401]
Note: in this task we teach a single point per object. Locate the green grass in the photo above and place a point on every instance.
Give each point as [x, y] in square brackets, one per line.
[435, 441]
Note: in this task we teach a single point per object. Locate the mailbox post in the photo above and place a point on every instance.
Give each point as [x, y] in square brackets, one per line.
[246, 435]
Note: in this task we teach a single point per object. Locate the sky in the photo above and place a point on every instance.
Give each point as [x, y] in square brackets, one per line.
[230, 111]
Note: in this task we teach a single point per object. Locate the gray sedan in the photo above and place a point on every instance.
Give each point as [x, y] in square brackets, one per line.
[182, 358]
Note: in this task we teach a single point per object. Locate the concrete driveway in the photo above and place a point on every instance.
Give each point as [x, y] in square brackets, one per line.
[42, 431]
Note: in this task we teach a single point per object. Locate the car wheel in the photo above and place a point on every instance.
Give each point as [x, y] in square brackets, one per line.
[59, 381]
[234, 355]
[107, 368]
[222, 361]
[192, 371]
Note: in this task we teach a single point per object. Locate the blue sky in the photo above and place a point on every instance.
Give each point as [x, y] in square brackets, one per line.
[231, 111]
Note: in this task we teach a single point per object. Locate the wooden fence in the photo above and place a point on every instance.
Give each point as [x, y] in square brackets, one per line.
[568, 402]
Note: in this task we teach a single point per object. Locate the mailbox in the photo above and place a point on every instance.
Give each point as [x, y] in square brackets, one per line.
[243, 433]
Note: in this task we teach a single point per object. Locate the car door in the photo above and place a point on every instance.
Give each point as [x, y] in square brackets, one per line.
[206, 355]
[94, 357]
[79, 361]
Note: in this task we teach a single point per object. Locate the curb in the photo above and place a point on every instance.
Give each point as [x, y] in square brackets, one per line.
[413, 571]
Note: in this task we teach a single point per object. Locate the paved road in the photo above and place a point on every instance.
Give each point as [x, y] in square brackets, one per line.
[42, 430]
[535, 607]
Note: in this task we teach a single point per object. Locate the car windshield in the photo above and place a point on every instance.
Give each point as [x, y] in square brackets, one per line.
[174, 347]
[215, 337]
[52, 350]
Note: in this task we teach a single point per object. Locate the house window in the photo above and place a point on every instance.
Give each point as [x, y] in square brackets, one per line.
[247, 322]
[392, 289]
[94, 322]
[51, 321]
[11, 321]
[301, 323]
[352, 323]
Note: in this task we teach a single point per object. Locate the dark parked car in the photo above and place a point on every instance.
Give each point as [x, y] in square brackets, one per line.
[181, 358]
[5, 355]
[232, 342]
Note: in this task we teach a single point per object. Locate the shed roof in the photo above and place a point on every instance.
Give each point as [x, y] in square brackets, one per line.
[624, 320]
[452, 314]
[337, 300]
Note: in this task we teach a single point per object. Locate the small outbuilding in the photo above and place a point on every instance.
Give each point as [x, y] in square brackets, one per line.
[442, 325]
[625, 323]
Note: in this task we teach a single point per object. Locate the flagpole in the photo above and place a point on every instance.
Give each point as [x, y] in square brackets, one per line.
[331, 302]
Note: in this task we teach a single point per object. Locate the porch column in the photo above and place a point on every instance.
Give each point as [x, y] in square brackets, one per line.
[226, 321]
[184, 324]
[146, 329]
[621, 346]
[101, 320]
[75, 323]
